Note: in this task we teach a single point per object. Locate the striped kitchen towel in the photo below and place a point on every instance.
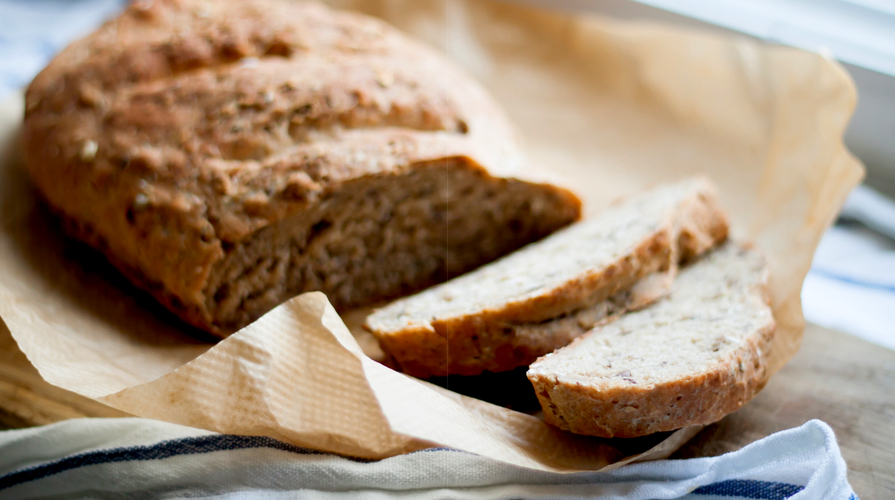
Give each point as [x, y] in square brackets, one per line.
[139, 458]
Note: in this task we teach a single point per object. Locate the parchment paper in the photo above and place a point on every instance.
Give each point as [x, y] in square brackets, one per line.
[611, 106]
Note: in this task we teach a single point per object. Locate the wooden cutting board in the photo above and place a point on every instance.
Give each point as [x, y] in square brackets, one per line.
[842, 380]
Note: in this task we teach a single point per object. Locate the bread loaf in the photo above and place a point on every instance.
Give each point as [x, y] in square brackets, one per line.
[690, 358]
[539, 298]
[228, 155]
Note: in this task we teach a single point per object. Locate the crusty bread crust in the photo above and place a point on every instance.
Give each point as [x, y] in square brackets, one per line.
[181, 130]
[515, 333]
[701, 223]
[619, 402]
[85, 233]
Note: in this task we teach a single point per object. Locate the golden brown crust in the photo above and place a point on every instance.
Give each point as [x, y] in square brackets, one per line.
[181, 128]
[623, 412]
[85, 233]
[701, 225]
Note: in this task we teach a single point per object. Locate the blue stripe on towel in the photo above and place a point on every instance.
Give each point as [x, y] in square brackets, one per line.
[852, 281]
[748, 488]
[159, 451]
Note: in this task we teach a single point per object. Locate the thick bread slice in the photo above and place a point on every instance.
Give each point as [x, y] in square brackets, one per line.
[502, 315]
[688, 359]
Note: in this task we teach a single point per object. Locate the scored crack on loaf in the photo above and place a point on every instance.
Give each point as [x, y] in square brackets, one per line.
[508, 313]
[229, 155]
[690, 358]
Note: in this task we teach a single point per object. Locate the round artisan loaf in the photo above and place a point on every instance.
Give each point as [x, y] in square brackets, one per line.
[229, 155]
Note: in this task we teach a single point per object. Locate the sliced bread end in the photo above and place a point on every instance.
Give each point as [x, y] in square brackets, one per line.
[689, 359]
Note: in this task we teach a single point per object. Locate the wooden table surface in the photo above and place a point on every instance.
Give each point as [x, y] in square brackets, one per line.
[842, 380]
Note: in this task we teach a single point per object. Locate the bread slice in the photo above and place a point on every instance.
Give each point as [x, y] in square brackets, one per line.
[508, 313]
[689, 359]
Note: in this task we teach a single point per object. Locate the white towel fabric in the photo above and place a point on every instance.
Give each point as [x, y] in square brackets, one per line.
[32, 32]
[127, 458]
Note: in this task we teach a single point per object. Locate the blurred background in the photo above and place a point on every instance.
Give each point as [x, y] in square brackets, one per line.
[851, 286]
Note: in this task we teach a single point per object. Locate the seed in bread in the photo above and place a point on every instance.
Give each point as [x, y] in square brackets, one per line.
[509, 312]
[229, 155]
[690, 358]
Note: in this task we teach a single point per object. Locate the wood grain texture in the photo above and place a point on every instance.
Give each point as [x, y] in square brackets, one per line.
[842, 380]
